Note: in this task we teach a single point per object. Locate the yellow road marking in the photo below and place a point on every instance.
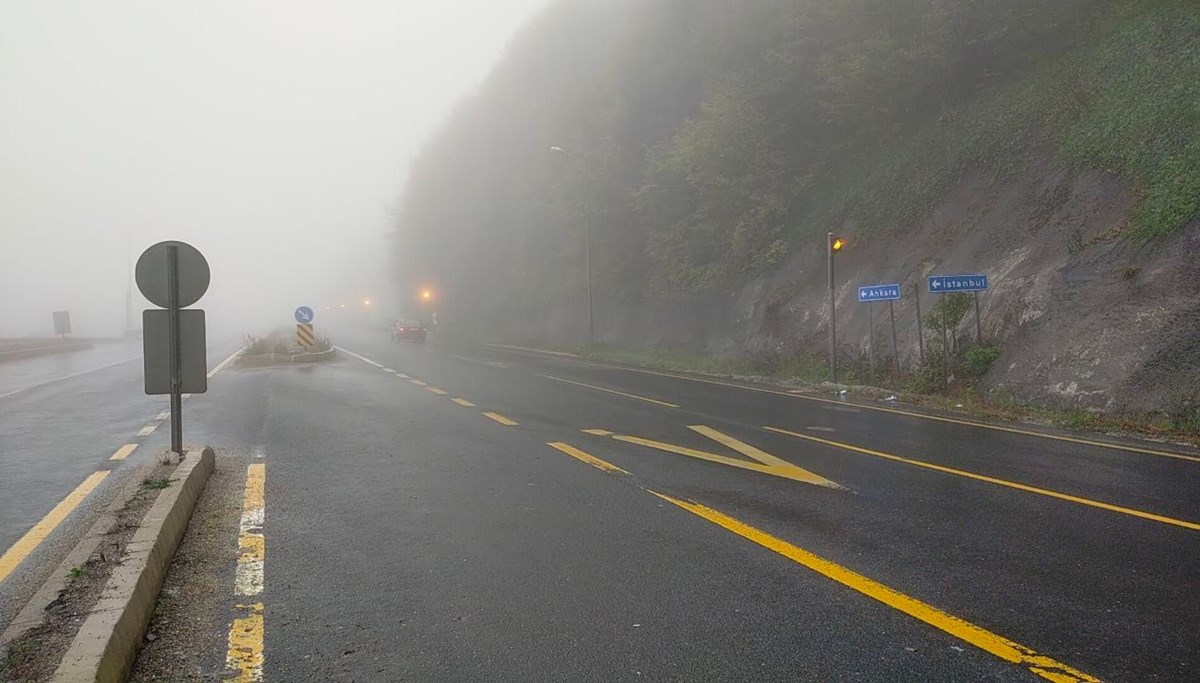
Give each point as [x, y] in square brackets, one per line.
[963, 630]
[245, 655]
[993, 480]
[763, 463]
[437, 391]
[743, 448]
[147, 430]
[502, 420]
[463, 402]
[882, 409]
[417, 382]
[611, 391]
[34, 537]
[248, 579]
[401, 375]
[123, 452]
[587, 457]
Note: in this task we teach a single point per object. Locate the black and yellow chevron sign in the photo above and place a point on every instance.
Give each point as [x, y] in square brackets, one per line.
[305, 336]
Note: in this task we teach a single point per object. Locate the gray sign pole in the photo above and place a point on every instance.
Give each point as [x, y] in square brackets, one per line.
[978, 325]
[871, 338]
[920, 324]
[173, 349]
[945, 345]
[895, 349]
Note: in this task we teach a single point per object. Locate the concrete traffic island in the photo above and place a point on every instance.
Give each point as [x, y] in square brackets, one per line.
[104, 648]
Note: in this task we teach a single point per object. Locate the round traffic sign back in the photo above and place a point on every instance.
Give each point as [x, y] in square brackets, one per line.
[152, 267]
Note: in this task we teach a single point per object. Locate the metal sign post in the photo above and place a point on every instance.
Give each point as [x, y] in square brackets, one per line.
[871, 339]
[945, 284]
[173, 348]
[173, 275]
[920, 325]
[889, 293]
[945, 345]
[978, 324]
[895, 349]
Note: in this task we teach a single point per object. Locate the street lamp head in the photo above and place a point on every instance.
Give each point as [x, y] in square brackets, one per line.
[426, 294]
[837, 244]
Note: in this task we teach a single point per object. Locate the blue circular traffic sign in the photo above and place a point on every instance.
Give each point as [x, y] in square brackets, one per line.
[305, 315]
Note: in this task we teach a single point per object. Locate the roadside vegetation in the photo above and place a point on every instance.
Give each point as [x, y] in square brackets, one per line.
[703, 142]
[281, 342]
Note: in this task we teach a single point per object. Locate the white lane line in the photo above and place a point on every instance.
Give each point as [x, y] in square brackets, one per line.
[227, 361]
[364, 359]
[163, 415]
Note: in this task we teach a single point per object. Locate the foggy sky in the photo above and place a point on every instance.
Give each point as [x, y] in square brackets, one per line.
[272, 135]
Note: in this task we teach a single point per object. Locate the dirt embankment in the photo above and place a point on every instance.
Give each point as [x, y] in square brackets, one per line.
[1082, 317]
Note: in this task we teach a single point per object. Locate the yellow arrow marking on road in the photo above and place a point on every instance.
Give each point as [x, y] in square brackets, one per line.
[763, 463]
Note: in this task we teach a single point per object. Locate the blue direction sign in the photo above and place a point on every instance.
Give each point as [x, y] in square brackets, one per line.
[305, 315]
[879, 293]
[957, 283]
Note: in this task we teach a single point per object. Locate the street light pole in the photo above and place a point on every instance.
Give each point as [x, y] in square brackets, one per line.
[587, 258]
[832, 317]
[587, 255]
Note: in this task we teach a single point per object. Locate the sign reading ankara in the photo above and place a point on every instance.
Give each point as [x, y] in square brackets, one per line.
[957, 283]
[879, 293]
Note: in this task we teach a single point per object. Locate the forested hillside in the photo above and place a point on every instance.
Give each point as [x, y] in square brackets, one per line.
[710, 145]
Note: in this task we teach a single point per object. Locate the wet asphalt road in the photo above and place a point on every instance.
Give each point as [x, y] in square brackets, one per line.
[61, 418]
[410, 537]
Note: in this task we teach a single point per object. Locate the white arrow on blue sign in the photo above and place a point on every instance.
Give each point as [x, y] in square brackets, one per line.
[957, 283]
[305, 315]
[879, 293]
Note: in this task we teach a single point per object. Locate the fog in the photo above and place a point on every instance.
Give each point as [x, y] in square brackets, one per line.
[273, 136]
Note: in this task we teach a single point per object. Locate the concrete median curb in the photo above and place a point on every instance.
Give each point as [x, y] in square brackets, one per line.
[316, 357]
[106, 645]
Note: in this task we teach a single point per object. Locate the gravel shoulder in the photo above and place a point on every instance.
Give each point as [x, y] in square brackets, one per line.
[187, 637]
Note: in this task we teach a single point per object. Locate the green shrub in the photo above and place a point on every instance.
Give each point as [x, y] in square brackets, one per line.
[979, 359]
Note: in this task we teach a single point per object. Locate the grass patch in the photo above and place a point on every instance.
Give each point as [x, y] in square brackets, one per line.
[156, 484]
[77, 572]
